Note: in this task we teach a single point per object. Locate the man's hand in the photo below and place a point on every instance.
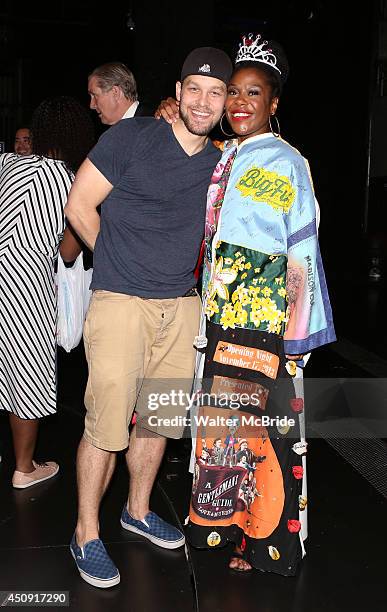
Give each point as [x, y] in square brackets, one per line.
[169, 110]
[294, 357]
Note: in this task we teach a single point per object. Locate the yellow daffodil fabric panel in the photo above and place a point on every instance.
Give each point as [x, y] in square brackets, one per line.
[247, 290]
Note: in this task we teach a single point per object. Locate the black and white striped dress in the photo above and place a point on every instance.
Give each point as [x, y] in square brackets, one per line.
[33, 193]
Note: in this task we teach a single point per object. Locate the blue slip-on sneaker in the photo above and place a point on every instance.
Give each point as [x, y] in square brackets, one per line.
[94, 564]
[154, 529]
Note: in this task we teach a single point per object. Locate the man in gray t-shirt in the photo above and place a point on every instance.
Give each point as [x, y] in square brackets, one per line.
[150, 179]
[152, 221]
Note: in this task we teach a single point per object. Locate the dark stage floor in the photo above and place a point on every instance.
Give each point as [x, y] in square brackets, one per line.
[345, 567]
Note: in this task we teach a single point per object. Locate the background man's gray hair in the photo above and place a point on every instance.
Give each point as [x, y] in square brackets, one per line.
[116, 73]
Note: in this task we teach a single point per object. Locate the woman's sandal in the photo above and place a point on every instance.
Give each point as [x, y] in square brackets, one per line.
[239, 555]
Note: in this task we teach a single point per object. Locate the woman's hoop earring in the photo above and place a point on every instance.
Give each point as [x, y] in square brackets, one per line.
[221, 126]
[277, 134]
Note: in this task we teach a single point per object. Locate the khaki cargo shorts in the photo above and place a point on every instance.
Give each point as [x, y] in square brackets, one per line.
[138, 351]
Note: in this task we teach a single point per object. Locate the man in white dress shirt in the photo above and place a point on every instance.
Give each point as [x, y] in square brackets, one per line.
[113, 93]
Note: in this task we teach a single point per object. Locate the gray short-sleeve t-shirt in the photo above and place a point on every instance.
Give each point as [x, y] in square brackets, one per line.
[152, 222]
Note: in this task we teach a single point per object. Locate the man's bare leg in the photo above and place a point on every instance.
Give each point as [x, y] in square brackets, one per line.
[143, 459]
[95, 468]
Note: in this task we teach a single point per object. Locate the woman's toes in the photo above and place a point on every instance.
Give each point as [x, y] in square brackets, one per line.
[234, 563]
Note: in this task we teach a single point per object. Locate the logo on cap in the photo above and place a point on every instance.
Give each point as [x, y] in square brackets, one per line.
[205, 68]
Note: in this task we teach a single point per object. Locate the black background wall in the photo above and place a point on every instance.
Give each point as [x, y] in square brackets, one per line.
[48, 48]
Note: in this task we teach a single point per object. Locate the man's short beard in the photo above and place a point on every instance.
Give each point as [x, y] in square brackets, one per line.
[197, 130]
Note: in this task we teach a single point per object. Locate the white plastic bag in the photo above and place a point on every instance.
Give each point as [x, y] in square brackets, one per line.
[73, 301]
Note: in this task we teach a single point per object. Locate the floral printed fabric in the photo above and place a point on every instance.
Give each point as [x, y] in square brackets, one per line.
[247, 289]
[215, 196]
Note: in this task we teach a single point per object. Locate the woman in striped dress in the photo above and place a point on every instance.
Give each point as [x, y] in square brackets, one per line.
[33, 193]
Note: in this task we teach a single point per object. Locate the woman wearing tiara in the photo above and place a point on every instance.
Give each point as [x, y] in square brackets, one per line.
[265, 306]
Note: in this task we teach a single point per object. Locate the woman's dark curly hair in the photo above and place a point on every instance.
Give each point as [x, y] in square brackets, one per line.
[62, 128]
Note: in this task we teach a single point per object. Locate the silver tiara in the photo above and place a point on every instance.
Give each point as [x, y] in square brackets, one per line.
[250, 50]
